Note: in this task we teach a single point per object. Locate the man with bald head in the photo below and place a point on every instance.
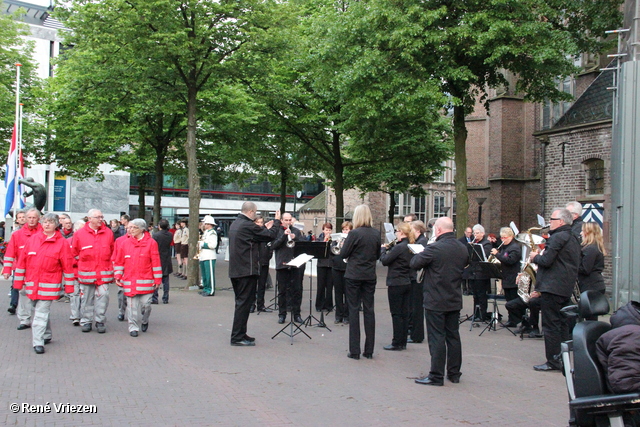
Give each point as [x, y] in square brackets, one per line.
[443, 262]
[244, 266]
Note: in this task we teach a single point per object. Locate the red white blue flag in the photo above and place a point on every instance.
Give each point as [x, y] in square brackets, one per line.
[11, 176]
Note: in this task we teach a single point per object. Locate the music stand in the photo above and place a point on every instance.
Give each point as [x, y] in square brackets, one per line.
[495, 314]
[295, 329]
[319, 250]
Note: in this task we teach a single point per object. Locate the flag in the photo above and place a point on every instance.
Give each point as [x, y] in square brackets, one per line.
[11, 175]
[19, 176]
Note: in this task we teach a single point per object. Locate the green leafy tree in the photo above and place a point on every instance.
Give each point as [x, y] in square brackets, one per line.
[466, 46]
[185, 46]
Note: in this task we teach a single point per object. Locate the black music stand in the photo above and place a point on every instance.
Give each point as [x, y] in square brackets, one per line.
[319, 250]
[495, 272]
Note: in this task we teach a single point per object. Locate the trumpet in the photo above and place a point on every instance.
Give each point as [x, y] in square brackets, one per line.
[391, 244]
[291, 243]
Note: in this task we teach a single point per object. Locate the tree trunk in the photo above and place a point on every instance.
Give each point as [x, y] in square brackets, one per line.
[284, 175]
[157, 188]
[460, 140]
[142, 187]
[194, 183]
[338, 180]
[392, 206]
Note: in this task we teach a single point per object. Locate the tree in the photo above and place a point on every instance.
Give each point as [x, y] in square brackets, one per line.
[185, 46]
[466, 46]
[15, 49]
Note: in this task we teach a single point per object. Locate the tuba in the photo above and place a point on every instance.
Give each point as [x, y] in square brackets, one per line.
[527, 278]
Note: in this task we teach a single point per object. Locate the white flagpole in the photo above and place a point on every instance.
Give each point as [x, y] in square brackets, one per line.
[16, 201]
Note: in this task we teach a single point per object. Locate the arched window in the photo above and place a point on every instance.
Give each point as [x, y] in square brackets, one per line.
[594, 176]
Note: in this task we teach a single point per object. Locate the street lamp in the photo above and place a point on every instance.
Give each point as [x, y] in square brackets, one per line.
[480, 201]
[445, 210]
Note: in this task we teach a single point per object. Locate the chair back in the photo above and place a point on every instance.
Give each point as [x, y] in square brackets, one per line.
[592, 303]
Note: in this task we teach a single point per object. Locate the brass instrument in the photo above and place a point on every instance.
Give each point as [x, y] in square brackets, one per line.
[391, 244]
[197, 255]
[493, 259]
[291, 243]
[527, 278]
[336, 244]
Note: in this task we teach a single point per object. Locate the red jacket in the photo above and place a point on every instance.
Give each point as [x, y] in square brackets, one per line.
[16, 245]
[137, 264]
[93, 249]
[43, 266]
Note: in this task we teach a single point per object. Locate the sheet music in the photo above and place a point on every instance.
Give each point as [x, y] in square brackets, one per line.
[389, 232]
[484, 256]
[299, 260]
[416, 248]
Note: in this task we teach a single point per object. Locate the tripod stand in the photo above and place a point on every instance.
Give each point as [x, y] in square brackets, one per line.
[294, 328]
[495, 315]
[274, 301]
[310, 318]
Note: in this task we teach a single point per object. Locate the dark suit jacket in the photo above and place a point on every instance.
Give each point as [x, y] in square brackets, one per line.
[244, 238]
[284, 254]
[362, 247]
[510, 256]
[398, 259]
[164, 239]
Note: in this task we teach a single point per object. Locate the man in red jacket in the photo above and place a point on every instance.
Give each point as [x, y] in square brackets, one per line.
[14, 251]
[44, 266]
[93, 247]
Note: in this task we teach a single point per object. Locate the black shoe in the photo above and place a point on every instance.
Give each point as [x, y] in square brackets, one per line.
[100, 327]
[243, 343]
[368, 355]
[410, 341]
[535, 334]
[337, 321]
[353, 356]
[455, 380]
[205, 294]
[345, 322]
[281, 318]
[121, 317]
[509, 325]
[47, 340]
[165, 302]
[154, 302]
[545, 367]
[86, 327]
[394, 347]
[76, 322]
[22, 327]
[265, 310]
[133, 333]
[428, 381]
[297, 319]
[12, 309]
[252, 309]
[144, 327]
[248, 338]
[38, 349]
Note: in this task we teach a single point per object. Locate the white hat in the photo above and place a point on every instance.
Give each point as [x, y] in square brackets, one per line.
[208, 219]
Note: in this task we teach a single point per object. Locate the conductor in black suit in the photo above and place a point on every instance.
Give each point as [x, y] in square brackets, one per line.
[244, 266]
[443, 261]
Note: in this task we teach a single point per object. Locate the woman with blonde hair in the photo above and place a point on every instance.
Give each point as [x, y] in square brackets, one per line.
[397, 258]
[592, 261]
[361, 249]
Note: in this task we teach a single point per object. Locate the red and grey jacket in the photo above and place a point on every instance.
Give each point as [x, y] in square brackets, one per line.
[137, 264]
[43, 267]
[93, 249]
[16, 246]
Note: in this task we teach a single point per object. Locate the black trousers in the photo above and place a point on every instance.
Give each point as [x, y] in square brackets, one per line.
[518, 308]
[511, 294]
[554, 325]
[165, 290]
[399, 307]
[479, 288]
[361, 291]
[445, 347]
[324, 295]
[289, 290]
[244, 289]
[262, 286]
[416, 312]
[342, 309]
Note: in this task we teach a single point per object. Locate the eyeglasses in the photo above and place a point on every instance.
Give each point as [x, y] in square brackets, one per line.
[98, 217]
[555, 219]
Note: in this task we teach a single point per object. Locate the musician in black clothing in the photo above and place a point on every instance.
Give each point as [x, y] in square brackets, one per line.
[324, 294]
[289, 278]
[509, 256]
[338, 268]
[265, 257]
[416, 310]
[479, 282]
[397, 258]
[362, 249]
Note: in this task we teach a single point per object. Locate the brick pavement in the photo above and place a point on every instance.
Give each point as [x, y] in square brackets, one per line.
[184, 372]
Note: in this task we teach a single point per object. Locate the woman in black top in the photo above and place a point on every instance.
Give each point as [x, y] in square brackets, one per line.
[399, 283]
[324, 294]
[362, 249]
[592, 260]
[338, 268]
